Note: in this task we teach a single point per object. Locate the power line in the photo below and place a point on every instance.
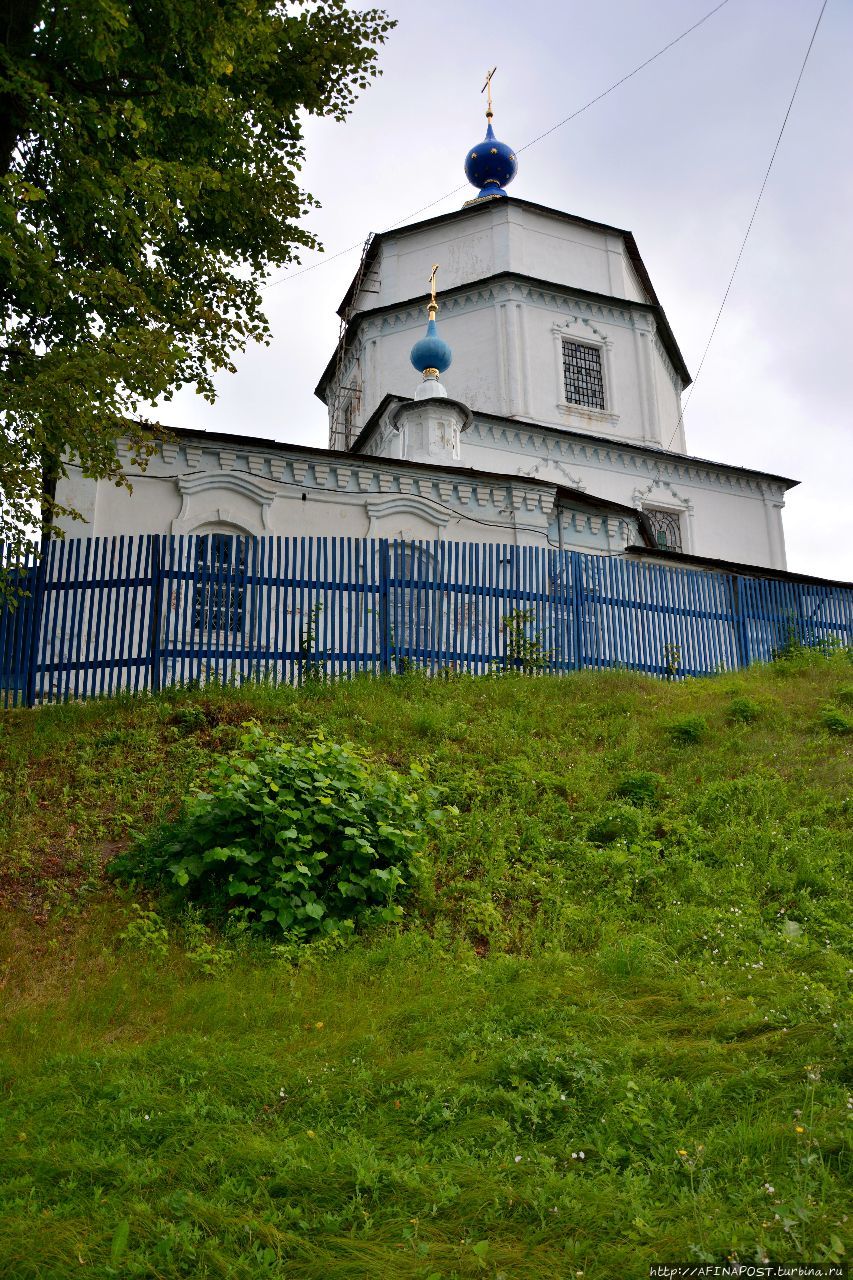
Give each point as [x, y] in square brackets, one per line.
[749, 227]
[292, 275]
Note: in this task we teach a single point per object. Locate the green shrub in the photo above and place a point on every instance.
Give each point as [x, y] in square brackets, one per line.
[688, 730]
[639, 788]
[836, 721]
[621, 825]
[302, 839]
[743, 711]
[845, 695]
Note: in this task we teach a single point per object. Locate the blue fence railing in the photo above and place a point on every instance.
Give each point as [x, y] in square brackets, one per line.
[98, 615]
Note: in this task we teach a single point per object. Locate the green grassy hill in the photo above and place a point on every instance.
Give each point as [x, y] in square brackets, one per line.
[611, 1031]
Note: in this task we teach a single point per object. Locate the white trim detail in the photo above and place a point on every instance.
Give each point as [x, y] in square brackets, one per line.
[584, 332]
[261, 491]
[408, 506]
[672, 501]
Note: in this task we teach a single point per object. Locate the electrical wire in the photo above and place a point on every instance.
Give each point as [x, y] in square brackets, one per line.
[749, 226]
[292, 275]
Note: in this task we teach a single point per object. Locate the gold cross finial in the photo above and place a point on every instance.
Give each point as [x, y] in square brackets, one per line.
[433, 305]
[487, 89]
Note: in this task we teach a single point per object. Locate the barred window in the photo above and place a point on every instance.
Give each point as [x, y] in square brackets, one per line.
[666, 527]
[582, 374]
[220, 568]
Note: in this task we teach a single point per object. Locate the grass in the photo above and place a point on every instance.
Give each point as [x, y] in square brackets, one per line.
[612, 1031]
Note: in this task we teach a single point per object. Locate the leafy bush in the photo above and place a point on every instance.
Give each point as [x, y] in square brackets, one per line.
[743, 710]
[836, 721]
[305, 839]
[845, 695]
[688, 730]
[639, 788]
[621, 825]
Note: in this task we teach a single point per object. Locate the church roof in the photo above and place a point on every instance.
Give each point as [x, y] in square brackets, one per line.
[685, 559]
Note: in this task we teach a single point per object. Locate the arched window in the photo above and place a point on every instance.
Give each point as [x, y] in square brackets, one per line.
[219, 598]
[666, 527]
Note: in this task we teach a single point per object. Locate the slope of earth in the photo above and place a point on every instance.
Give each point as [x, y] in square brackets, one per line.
[611, 1031]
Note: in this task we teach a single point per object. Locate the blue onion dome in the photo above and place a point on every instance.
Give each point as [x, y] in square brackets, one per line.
[431, 355]
[490, 165]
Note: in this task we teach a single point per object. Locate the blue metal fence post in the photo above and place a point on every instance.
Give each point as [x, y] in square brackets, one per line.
[384, 606]
[154, 655]
[741, 629]
[35, 623]
[575, 619]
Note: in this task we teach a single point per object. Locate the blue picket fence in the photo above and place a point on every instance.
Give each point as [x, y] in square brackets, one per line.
[98, 615]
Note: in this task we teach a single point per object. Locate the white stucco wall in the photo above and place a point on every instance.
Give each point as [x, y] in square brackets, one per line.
[724, 513]
[495, 236]
[506, 340]
[195, 486]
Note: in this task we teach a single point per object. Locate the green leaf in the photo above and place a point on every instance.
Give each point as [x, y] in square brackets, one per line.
[121, 1235]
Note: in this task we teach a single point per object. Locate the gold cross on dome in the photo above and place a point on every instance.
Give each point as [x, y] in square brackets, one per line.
[487, 88]
[432, 284]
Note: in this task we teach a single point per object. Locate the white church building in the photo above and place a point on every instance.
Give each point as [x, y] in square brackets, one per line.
[548, 411]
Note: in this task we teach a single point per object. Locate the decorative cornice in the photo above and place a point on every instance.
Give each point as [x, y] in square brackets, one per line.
[574, 450]
[553, 298]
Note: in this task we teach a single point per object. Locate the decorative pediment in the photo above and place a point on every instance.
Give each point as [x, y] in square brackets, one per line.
[200, 487]
[400, 506]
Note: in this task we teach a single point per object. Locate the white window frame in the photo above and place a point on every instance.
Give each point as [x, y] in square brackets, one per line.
[601, 343]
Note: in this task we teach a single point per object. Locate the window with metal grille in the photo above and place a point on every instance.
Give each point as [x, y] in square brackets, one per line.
[219, 598]
[666, 526]
[582, 376]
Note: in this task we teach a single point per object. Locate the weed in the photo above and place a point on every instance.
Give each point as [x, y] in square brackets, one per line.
[145, 932]
[618, 825]
[835, 721]
[524, 648]
[688, 730]
[640, 788]
[743, 711]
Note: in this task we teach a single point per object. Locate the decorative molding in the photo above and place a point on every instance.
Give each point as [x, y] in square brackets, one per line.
[553, 299]
[405, 505]
[621, 456]
[661, 495]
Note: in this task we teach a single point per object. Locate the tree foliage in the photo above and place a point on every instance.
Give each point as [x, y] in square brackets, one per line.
[149, 159]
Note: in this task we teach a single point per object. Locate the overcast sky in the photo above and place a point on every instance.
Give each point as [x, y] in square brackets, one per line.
[676, 155]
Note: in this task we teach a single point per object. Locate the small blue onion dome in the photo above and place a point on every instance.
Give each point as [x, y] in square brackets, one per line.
[490, 165]
[431, 352]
